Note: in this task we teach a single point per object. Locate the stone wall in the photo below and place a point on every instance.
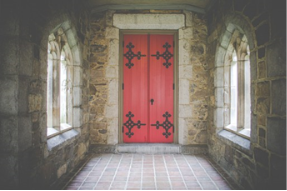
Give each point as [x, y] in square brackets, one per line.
[258, 163]
[28, 159]
[193, 91]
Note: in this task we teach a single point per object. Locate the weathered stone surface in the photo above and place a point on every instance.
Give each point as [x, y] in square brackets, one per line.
[278, 171]
[263, 106]
[261, 156]
[185, 72]
[184, 47]
[185, 33]
[112, 33]
[25, 132]
[278, 95]
[8, 97]
[148, 21]
[276, 135]
[8, 133]
[35, 102]
[112, 72]
[62, 170]
[113, 55]
[276, 60]
[183, 91]
[111, 111]
[263, 89]
[185, 111]
[262, 70]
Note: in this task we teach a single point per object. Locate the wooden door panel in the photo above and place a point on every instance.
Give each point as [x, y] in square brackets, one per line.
[135, 88]
[161, 88]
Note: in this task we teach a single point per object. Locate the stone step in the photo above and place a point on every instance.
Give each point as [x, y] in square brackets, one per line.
[150, 148]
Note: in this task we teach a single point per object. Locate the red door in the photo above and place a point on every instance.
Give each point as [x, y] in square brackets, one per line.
[148, 88]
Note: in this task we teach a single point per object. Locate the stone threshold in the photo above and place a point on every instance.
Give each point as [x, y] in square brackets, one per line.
[149, 148]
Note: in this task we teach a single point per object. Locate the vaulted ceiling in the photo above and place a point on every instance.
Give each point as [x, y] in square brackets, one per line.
[199, 6]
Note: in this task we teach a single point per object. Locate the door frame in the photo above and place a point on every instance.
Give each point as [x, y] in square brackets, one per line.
[175, 78]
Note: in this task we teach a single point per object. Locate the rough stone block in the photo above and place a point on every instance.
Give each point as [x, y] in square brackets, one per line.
[218, 77]
[112, 72]
[77, 119]
[71, 37]
[263, 106]
[188, 18]
[185, 72]
[8, 95]
[278, 171]
[181, 130]
[113, 130]
[113, 57]
[25, 133]
[261, 156]
[148, 21]
[77, 96]
[77, 56]
[112, 33]
[35, 102]
[185, 33]
[263, 89]
[78, 76]
[8, 133]
[113, 92]
[111, 111]
[185, 111]
[23, 94]
[62, 170]
[218, 117]
[184, 51]
[278, 95]
[225, 41]
[9, 56]
[276, 135]
[26, 58]
[9, 176]
[219, 97]
[183, 91]
[276, 60]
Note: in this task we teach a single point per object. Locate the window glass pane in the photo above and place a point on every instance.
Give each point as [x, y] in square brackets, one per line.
[63, 91]
[233, 91]
[50, 92]
[247, 95]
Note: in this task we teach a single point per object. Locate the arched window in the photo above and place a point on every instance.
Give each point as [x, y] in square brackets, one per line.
[59, 84]
[237, 83]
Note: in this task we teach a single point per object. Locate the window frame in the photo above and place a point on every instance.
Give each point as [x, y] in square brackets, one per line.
[239, 49]
[58, 46]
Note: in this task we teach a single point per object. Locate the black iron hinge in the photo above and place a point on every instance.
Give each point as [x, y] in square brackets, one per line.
[173, 129]
[122, 129]
[123, 86]
[123, 43]
[173, 43]
[173, 86]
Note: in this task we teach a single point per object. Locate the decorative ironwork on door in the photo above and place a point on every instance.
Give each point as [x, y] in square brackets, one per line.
[130, 124]
[166, 55]
[166, 125]
[130, 55]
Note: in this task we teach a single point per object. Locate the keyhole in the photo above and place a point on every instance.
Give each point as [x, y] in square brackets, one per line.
[151, 101]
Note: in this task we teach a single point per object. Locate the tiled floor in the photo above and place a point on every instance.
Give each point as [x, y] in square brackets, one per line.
[148, 172]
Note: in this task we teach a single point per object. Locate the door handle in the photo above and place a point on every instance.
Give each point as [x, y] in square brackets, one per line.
[151, 101]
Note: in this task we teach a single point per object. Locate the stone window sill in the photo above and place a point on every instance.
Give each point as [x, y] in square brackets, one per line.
[62, 139]
[236, 141]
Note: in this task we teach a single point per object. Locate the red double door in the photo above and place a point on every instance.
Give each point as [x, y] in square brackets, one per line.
[148, 62]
